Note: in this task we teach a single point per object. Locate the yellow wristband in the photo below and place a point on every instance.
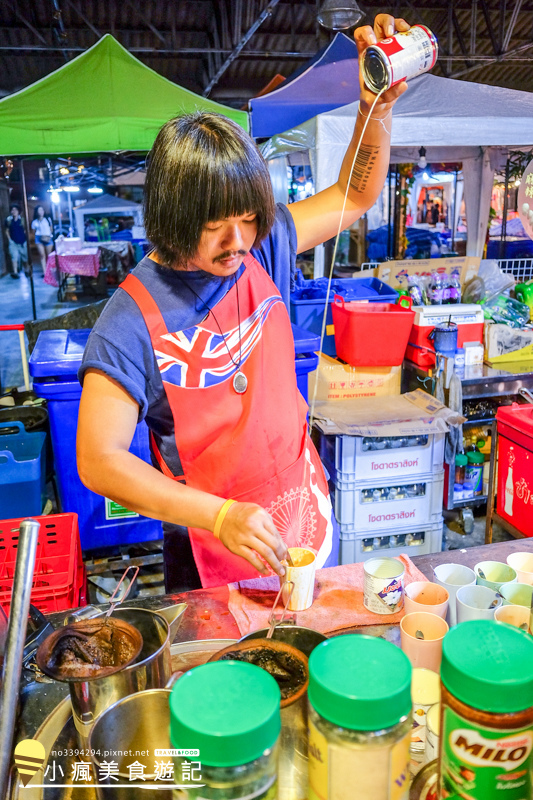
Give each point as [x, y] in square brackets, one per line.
[221, 517]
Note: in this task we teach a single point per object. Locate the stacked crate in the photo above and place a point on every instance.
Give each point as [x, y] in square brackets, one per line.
[387, 493]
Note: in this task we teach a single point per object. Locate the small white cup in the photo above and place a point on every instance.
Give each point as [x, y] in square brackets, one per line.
[522, 563]
[475, 602]
[452, 577]
[302, 574]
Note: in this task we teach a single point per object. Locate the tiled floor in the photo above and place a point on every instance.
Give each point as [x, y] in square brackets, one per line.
[16, 307]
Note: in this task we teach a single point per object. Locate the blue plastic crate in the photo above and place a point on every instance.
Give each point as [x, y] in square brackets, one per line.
[22, 471]
[53, 365]
[309, 297]
[306, 360]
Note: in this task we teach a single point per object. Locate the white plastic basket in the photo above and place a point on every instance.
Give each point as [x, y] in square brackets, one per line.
[417, 501]
[351, 459]
[417, 541]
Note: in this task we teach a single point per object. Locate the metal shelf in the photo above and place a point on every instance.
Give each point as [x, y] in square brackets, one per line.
[472, 501]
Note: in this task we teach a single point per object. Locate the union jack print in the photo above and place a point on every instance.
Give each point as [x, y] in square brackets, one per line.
[197, 358]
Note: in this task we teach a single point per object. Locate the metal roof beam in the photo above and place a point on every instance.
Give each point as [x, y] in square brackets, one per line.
[244, 41]
[490, 29]
[144, 18]
[512, 23]
[508, 56]
[80, 13]
[23, 19]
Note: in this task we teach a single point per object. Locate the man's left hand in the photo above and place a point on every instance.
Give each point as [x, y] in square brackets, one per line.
[385, 26]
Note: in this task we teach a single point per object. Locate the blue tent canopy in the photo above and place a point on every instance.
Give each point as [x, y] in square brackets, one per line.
[329, 80]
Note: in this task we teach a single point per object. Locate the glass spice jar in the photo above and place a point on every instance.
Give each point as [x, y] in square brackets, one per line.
[486, 719]
[359, 720]
[228, 711]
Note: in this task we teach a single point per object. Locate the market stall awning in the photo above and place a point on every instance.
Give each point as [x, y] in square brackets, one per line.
[103, 100]
[329, 80]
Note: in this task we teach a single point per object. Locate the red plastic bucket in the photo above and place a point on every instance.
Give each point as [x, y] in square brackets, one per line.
[371, 334]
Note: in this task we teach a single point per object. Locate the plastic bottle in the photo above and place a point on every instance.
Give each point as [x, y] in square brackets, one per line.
[474, 471]
[485, 748]
[415, 290]
[359, 719]
[509, 492]
[453, 289]
[435, 289]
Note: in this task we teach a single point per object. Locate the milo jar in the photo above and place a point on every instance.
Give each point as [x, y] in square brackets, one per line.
[486, 728]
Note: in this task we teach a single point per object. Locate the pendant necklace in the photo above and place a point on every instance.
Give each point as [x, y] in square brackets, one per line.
[240, 381]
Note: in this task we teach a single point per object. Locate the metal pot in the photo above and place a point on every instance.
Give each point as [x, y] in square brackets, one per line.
[151, 669]
[137, 724]
[303, 639]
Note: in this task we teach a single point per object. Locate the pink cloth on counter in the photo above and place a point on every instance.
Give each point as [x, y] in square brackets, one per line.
[337, 600]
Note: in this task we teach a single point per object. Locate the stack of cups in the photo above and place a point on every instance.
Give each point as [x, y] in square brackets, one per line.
[452, 577]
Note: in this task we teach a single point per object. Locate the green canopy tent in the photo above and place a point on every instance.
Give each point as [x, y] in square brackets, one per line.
[103, 100]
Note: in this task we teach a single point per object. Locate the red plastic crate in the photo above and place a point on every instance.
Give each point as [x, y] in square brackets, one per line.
[515, 466]
[371, 334]
[59, 575]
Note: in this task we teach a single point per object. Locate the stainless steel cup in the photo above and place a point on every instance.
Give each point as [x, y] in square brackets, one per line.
[138, 724]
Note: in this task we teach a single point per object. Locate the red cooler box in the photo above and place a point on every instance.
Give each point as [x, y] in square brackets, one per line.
[515, 466]
[468, 318]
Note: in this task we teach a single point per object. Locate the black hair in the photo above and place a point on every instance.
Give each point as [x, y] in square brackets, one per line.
[14, 205]
[35, 214]
[202, 168]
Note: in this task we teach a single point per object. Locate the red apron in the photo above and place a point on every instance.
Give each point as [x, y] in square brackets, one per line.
[251, 447]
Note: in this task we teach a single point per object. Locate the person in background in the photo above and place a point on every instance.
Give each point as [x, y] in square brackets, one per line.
[43, 228]
[198, 341]
[16, 237]
[435, 214]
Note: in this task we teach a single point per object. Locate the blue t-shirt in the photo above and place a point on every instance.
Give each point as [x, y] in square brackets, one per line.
[119, 344]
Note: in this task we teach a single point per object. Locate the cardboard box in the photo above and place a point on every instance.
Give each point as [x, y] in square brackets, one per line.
[396, 273]
[503, 344]
[339, 381]
[473, 353]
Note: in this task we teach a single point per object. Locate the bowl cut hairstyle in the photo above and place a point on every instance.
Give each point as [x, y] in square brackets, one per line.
[202, 168]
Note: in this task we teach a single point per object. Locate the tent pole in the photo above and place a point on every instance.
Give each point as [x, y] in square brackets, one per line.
[503, 236]
[26, 214]
[389, 231]
[454, 210]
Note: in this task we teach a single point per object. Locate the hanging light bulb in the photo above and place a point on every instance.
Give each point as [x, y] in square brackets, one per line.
[422, 160]
[338, 15]
[95, 190]
[55, 197]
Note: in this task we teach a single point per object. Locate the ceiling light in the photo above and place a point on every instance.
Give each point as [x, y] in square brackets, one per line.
[425, 176]
[64, 170]
[95, 190]
[517, 182]
[71, 188]
[422, 161]
[338, 15]
[55, 197]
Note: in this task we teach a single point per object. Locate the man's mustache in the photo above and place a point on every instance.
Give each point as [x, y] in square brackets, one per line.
[230, 254]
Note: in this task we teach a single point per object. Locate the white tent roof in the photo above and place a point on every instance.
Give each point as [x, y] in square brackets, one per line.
[108, 202]
[454, 120]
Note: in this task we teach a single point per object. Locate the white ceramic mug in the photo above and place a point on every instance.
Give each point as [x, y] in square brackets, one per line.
[452, 577]
[475, 602]
[522, 563]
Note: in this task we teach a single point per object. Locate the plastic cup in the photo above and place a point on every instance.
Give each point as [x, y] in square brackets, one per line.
[426, 597]
[452, 577]
[302, 574]
[475, 602]
[425, 692]
[426, 652]
[522, 563]
[517, 594]
[496, 574]
[513, 615]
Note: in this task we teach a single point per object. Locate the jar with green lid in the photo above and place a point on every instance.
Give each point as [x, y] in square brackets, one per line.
[229, 713]
[359, 720]
[461, 460]
[486, 725]
[474, 471]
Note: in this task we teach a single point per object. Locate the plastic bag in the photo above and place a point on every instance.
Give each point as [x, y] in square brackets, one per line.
[496, 282]
[507, 311]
